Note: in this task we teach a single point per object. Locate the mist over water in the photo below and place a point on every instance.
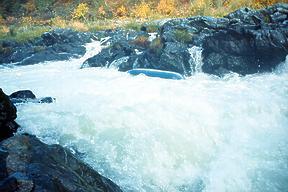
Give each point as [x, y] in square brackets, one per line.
[149, 134]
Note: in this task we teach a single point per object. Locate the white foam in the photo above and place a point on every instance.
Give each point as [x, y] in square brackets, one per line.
[146, 134]
[195, 59]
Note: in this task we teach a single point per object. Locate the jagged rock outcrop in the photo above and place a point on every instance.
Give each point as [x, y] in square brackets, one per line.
[253, 41]
[246, 41]
[8, 111]
[118, 45]
[27, 164]
[142, 52]
[56, 45]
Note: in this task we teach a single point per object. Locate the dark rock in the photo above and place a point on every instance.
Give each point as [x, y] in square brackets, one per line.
[246, 49]
[47, 55]
[9, 184]
[247, 16]
[34, 166]
[120, 46]
[3, 170]
[46, 100]
[27, 96]
[105, 58]
[125, 55]
[175, 57]
[279, 17]
[191, 30]
[172, 56]
[23, 94]
[7, 116]
[56, 45]
[246, 41]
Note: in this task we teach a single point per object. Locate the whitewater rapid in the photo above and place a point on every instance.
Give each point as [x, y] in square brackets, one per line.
[202, 134]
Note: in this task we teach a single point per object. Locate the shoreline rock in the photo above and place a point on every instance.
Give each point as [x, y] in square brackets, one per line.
[246, 41]
[254, 41]
[8, 111]
[27, 165]
[56, 45]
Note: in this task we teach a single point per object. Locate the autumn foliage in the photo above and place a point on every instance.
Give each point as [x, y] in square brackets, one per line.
[18, 17]
[91, 9]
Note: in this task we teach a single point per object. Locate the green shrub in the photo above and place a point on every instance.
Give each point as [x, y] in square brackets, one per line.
[183, 36]
[152, 27]
[133, 25]
[23, 34]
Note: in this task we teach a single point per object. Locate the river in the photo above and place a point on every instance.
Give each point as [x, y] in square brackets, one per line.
[201, 134]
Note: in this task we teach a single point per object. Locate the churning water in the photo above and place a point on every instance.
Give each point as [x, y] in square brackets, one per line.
[204, 133]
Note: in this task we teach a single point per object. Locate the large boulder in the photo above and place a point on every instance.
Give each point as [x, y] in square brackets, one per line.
[27, 96]
[118, 45]
[22, 94]
[56, 45]
[7, 116]
[141, 52]
[112, 53]
[245, 41]
[27, 164]
[254, 41]
[193, 30]
[171, 56]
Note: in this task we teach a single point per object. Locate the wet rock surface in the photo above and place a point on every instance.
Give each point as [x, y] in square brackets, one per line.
[27, 164]
[8, 111]
[254, 41]
[56, 45]
[143, 52]
[27, 96]
[246, 41]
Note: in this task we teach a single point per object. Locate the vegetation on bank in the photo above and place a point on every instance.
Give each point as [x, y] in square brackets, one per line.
[27, 19]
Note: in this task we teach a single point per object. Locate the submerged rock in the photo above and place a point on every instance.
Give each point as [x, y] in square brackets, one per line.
[22, 94]
[27, 96]
[27, 164]
[7, 116]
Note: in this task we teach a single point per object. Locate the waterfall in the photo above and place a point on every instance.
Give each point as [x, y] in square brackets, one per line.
[92, 49]
[195, 59]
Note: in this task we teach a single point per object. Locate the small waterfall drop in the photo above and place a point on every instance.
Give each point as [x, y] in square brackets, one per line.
[195, 59]
[92, 49]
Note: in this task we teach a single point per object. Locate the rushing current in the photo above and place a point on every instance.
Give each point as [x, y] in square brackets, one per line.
[201, 134]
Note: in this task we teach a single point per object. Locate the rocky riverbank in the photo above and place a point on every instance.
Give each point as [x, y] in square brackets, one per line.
[57, 45]
[246, 41]
[27, 164]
